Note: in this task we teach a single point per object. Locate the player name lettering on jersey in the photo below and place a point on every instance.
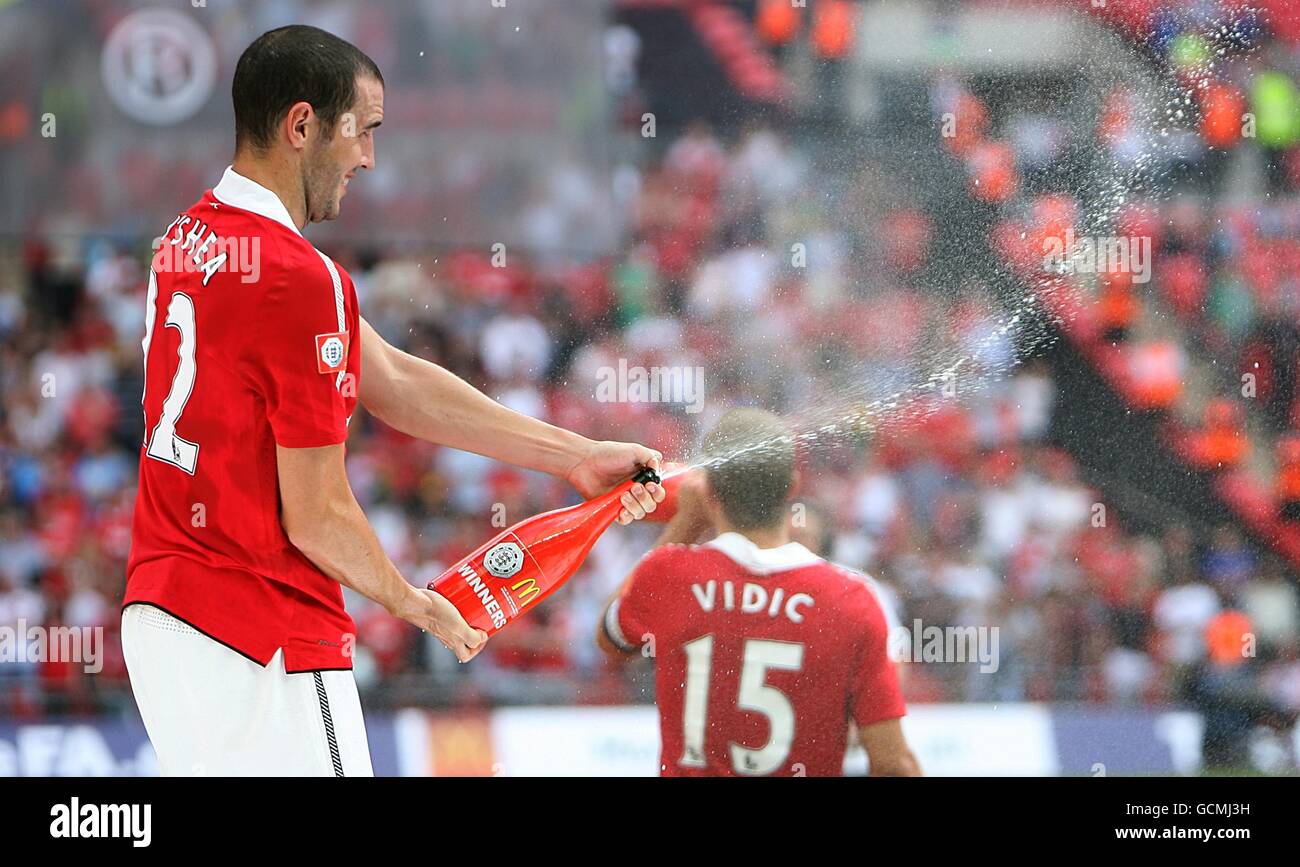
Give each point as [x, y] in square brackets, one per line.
[754, 599]
[193, 246]
[484, 594]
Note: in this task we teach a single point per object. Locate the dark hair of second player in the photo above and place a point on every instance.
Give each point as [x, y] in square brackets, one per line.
[751, 471]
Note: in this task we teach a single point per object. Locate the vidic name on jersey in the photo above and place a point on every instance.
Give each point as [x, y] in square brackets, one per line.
[754, 599]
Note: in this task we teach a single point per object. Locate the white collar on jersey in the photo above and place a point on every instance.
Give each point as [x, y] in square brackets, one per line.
[763, 561]
[241, 192]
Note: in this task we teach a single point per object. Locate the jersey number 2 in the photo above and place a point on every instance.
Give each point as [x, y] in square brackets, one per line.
[755, 695]
[162, 443]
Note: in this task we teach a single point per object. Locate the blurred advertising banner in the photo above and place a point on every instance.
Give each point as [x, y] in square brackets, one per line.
[497, 123]
[530, 742]
[96, 748]
[615, 742]
[949, 739]
[978, 740]
[120, 748]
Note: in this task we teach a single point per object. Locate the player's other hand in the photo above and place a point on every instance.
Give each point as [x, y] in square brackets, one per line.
[606, 464]
[434, 614]
[693, 518]
[691, 494]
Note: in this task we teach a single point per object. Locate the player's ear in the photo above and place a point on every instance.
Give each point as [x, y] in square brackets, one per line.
[297, 121]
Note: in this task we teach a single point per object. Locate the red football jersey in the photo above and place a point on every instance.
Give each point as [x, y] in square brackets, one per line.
[762, 656]
[251, 339]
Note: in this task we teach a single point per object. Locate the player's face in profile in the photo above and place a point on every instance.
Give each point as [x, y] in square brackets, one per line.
[332, 163]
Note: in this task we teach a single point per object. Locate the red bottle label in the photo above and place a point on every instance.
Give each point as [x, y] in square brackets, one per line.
[495, 584]
[503, 578]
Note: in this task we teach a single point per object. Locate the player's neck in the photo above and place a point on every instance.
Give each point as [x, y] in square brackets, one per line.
[277, 177]
[769, 537]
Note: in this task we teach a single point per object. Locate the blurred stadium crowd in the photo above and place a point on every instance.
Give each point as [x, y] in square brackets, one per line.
[972, 514]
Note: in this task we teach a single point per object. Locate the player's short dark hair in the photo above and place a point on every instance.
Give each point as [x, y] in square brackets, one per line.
[749, 460]
[294, 64]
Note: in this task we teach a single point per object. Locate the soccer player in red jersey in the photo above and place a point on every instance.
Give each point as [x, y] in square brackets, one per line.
[245, 530]
[764, 652]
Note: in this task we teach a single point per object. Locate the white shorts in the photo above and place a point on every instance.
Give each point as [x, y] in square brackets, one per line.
[211, 712]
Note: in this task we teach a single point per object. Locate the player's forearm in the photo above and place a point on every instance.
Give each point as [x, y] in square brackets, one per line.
[904, 765]
[431, 403]
[888, 753]
[340, 542]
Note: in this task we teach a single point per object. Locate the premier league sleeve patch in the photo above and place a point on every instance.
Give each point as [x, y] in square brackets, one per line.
[331, 352]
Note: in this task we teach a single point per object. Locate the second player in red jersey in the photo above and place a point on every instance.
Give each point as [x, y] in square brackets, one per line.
[764, 652]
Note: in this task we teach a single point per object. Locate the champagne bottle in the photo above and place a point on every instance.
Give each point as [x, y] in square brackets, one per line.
[524, 564]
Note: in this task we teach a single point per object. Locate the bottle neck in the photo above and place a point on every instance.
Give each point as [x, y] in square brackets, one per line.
[608, 504]
[610, 500]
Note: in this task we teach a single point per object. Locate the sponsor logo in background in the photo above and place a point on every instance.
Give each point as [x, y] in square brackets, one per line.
[460, 745]
[159, 66]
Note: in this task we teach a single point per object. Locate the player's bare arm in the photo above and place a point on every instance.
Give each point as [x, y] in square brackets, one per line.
[887, 750]
[322, 519]
[427, 401]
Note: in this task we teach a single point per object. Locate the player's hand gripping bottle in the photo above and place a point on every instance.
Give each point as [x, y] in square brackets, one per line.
[524, 564]
[673, 476]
